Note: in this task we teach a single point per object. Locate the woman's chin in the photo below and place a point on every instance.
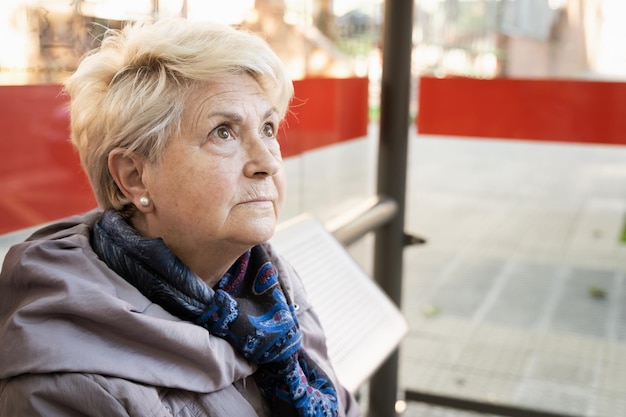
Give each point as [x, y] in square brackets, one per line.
[258, 231]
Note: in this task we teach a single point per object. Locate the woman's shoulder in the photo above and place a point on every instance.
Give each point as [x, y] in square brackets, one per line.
[57, 268]
[58, 235]
[58, 253]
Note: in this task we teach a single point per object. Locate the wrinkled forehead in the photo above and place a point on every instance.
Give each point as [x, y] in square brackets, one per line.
[237, 95]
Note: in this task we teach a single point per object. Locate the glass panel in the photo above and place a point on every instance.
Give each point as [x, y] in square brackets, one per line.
[314, 38]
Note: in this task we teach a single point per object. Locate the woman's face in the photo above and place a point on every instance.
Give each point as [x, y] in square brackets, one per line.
[220, 185]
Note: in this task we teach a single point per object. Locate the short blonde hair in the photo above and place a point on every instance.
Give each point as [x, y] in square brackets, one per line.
[130, 92]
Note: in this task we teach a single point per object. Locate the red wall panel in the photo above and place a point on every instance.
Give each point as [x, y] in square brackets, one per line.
[325, 111]
[553, 110]
[40, 176]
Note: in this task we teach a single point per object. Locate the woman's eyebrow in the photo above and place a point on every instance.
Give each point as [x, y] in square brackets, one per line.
[269, 113]
[236, 117]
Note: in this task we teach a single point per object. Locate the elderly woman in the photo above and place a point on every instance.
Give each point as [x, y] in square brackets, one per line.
[167, 301]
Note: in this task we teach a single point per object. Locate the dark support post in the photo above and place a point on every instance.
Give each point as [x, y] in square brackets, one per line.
[392, 162]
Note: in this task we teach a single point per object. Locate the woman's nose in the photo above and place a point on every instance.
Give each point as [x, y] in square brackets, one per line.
[261, 160]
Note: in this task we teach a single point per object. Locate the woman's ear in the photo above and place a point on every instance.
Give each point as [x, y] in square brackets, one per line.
[127, 171]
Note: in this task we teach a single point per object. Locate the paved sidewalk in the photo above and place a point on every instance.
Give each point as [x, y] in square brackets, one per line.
[518, 297]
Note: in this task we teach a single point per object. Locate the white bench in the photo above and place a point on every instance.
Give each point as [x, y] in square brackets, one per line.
[362, 325]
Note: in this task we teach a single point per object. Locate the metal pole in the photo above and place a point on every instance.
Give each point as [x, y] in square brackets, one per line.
[392, 162]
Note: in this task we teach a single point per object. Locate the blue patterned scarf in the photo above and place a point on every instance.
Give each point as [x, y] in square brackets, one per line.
[248, 308]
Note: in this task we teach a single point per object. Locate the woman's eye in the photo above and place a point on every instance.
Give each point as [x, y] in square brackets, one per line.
[221, 132]
[268, 130]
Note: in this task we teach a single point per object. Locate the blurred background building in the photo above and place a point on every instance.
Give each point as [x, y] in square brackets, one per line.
[44, 39]
[483, 38]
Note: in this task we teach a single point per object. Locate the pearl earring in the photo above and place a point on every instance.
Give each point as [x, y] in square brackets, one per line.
[144, 201]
